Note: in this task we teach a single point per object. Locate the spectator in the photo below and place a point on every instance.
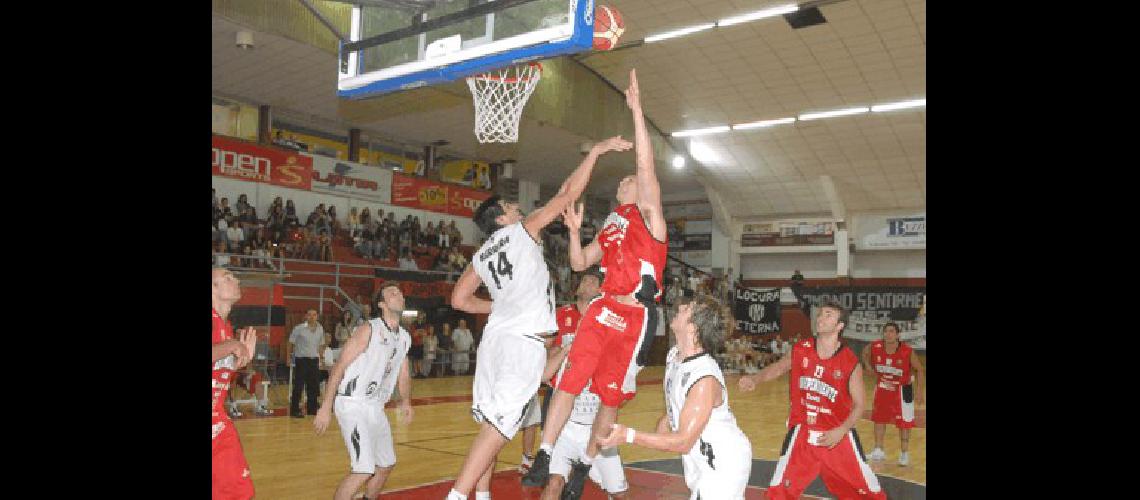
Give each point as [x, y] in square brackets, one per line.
[407, 263]
[306, 343]
[235, 237]
[774, 346]
[324, 248]
[429, 237]
[405, 241]
[797, 279]
[344, 328]
[455, 235]
[353, 223]
[443, 236]
[445, 346]
[260, 245]
[417, 230]
[220, 260]
[334, 224]
[223, 230]
[242, 203]
[310, 247]
[247, 222]
[461, 341]
[431, 345]
[457, 260]
[291, 219]
[785, 348]
[416, 352]
[224, 209]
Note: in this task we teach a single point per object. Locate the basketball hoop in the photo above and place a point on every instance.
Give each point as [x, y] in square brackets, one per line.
[499, 100]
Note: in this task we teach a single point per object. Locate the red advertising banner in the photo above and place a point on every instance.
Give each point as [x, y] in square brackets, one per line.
[464, 200]
[252, 162]
[416, 192]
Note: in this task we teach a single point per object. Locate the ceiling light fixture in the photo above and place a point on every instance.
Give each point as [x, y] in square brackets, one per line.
[760, 14]
[915, 103]
[680, 32]
[678, 161]
[763, 123]
[702, 131]
[832, 114]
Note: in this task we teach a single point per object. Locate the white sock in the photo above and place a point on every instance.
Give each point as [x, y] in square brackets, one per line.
[549, 448]
[455, 495]
[482, 495]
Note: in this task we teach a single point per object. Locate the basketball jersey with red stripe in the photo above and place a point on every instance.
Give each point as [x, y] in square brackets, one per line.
[819, 396]
[568, 317]
[892, 369]
[223, 369]
[630, 253]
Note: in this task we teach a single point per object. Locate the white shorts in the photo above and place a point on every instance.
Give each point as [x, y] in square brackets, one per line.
[507, 372]
[607, 471]
[533, 415]
[728, 481]
[367, 434]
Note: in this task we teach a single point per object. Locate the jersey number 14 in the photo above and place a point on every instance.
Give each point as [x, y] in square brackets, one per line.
[504, 269]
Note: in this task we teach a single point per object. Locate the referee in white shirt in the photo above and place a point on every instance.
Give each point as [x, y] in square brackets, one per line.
[305, 344]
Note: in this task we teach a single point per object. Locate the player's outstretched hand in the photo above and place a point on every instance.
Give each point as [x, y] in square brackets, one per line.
[633, 93]
[404, 412]
[746, 383]
[321, 422]
[615, 437]
[572, 216]
[615, 143]
[248, 338]
[831, 438]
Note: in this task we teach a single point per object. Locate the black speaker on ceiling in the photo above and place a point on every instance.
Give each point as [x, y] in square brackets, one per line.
[803, 18]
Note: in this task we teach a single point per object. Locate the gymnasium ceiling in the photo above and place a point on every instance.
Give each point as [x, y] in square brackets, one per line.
[868, 52]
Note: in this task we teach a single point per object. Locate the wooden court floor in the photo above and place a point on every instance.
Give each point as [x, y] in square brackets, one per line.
[289, 461]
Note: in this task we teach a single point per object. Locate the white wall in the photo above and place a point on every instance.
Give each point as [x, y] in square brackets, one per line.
[261, 196]
[888, 264]
[781, 265]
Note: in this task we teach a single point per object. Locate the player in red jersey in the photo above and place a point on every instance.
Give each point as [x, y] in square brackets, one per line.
[614, 338]
[895, 397]
[826, 395]
[231, 478]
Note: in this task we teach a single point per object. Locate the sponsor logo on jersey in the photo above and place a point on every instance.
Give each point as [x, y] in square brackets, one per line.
[611, 319]
[805, 362]
[612, 385]
[888, 361]
[217, 428]
[685, 378]
[819, 387]
[837, 374]
[889, 370]
[371, 388]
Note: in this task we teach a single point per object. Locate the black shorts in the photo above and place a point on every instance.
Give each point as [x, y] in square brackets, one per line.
[416, 352]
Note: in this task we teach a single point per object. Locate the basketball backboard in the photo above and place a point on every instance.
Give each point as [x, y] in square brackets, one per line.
[404, 44]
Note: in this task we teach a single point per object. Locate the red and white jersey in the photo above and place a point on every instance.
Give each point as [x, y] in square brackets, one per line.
[223, 372]
[893, 370]
[568, 317]
[630, 254]
[819, 396]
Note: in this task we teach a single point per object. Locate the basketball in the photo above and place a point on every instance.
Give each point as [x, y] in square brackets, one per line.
[608, 27]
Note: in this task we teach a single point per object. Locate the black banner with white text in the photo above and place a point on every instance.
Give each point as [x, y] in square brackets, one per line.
[757, 312]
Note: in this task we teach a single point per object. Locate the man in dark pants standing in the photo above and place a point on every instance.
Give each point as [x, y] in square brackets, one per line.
[306, 343]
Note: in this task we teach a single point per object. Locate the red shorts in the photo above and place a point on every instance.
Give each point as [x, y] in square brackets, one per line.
[844, 468]
[894, 407]
[232, 479]
[611, 339]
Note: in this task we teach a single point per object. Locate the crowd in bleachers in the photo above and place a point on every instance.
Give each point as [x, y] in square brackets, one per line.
[282, 233]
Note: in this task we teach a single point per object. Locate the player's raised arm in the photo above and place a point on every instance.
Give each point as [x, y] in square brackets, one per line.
[699, 403]
[353, 347]
[580, 258]
[463, 295]
[648, 189]
[573, 186]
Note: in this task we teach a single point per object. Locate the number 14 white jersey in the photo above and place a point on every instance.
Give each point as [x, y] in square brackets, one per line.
[510, 264]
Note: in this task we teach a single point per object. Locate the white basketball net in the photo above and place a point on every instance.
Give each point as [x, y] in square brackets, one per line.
[499, 100]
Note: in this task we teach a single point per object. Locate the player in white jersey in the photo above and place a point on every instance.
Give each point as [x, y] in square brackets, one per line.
[697, 423]
[568, 451]
[511, 354]
[372, 362]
